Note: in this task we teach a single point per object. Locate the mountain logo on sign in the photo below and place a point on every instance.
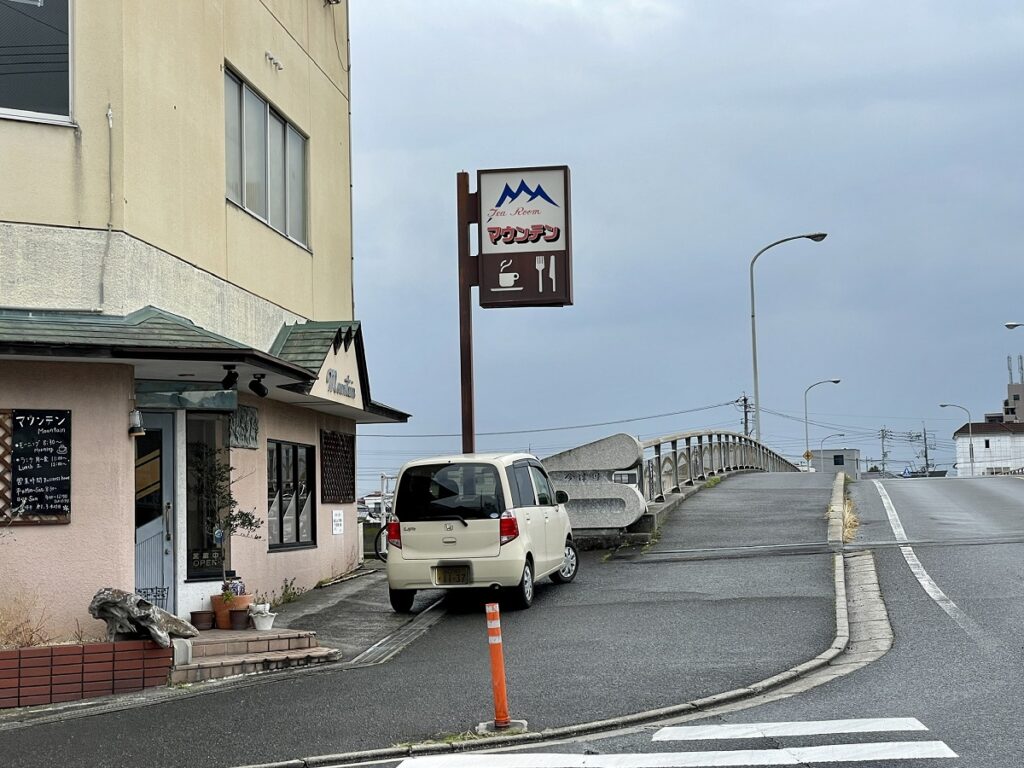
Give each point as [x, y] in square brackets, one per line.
[508, 196]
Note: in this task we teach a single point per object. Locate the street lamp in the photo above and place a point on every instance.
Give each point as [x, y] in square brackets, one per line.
[970, 427]
[821, 447]
[816, 237]
[807, 439]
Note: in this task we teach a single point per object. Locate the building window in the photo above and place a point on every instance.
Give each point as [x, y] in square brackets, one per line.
[266, 160]
[1016, 397]
[205, 451]
[337, 467]
[291, 506]
[35, 70]
[986, 443]
[838, 460]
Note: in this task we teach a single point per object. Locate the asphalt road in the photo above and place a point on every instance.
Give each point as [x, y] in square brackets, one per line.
[633, 632]
[955, 668]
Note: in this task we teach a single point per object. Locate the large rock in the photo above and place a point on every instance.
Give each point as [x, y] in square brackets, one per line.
[130, 614]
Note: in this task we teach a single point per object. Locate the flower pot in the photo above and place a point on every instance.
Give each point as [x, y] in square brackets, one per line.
[202, 619]
[222, 609]
[239, 618]
[263, 621]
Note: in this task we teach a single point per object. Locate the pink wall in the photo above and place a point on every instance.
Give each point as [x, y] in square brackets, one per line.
[262, 570]
[64, 565]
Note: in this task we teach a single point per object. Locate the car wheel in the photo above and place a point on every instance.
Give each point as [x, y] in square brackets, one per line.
[401, 599]
[570, 564]
[522, 595]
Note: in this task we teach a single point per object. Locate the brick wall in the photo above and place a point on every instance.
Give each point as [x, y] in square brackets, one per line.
[56, 673]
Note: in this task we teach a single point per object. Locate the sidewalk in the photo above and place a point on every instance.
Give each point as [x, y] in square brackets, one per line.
[636, 631]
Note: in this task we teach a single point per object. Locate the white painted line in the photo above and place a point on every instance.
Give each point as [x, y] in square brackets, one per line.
[835, 753]
[927, 583]
[799, 728]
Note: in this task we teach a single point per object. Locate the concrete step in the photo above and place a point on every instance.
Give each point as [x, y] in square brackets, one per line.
[225, 653]
[230, 665]
[222, 642]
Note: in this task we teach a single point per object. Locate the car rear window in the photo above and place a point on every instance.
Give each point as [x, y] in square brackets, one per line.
[436, 491]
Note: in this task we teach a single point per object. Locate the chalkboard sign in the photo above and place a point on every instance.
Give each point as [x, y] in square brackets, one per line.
[41, 466]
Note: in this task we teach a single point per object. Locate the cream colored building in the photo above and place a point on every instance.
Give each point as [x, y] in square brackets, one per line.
[175, 239]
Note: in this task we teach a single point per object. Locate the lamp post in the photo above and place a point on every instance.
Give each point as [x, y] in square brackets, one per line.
[807, 438]
[816, 237]
[821, 447]
[970, 427]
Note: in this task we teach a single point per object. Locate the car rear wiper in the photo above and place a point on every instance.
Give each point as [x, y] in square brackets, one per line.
[452, 517]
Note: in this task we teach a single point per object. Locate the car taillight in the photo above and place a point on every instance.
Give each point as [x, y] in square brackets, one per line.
[508, 527]
[395, 534]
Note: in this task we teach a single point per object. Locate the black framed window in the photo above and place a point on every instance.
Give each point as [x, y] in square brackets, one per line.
[838, 460]
[35, 69]
[291, 503]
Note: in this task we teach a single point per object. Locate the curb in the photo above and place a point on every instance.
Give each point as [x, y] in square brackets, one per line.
[839, 644]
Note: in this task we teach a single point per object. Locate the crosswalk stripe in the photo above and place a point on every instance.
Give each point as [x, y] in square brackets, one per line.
[800, 728]
[833, 753]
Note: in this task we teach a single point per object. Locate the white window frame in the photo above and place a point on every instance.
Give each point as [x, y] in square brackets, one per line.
[8, 113]
[267, 109]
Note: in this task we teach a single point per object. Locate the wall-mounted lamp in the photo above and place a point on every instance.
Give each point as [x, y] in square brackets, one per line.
[257, 386]
[230, 379]
[135, 428]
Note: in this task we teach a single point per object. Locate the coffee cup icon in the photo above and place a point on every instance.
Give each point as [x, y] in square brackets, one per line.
[507, 279]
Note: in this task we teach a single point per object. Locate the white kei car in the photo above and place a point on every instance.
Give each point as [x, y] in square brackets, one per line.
[477, 520]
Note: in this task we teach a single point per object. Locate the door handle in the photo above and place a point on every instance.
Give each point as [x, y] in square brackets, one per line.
[167, 521]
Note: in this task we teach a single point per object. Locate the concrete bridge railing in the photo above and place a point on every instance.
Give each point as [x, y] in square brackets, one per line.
[611, 481]
[684, 458]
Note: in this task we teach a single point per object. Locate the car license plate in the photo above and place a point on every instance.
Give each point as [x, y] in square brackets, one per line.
[452, 574]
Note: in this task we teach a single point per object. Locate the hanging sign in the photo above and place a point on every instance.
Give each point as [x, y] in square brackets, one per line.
[525, 254]
[41, 467]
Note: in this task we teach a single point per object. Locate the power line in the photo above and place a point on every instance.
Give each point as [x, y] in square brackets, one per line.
[562, 429]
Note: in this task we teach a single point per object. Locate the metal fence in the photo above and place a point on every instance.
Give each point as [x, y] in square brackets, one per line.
[674, 461]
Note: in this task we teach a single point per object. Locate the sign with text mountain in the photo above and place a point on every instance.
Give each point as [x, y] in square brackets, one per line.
[525, 252]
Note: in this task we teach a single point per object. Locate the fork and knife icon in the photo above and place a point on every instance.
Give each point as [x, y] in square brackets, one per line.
[540, 264]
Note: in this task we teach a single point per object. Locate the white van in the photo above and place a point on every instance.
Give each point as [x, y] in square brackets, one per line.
[477, 520]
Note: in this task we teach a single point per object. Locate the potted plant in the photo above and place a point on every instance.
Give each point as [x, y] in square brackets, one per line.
[213, 486]
[262, 618]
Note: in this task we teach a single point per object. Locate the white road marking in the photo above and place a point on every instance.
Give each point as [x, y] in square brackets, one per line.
[926, 581]
[835, 753]
[799, 728]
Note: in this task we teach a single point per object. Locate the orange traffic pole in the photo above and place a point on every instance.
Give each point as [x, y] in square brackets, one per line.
[501, 717]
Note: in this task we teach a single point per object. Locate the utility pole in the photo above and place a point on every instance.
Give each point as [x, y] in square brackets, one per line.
[925, 430]
[885, 433]
[746, 415]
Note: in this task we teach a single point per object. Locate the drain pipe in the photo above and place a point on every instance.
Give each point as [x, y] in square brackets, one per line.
[110, 204]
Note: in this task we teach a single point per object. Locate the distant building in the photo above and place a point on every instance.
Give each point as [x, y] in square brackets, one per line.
[837, 460]
[998, 448]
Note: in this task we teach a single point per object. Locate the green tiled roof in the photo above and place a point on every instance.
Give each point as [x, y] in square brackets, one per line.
[307, 344]
[147, 327]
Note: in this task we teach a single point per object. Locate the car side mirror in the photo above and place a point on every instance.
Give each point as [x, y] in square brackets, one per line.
[561, 497]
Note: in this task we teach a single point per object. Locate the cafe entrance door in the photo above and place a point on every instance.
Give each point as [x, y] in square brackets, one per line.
[154, 510]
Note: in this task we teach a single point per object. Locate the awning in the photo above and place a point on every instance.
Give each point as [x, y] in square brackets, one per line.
[165, 347]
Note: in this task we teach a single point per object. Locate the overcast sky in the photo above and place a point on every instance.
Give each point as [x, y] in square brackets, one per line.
[696, 134]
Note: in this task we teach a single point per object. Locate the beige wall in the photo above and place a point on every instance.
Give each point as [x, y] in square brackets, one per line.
[160, 68]
[66, 564]
[264, 571]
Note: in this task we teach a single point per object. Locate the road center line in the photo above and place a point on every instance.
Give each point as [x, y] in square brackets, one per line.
[926, 581]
